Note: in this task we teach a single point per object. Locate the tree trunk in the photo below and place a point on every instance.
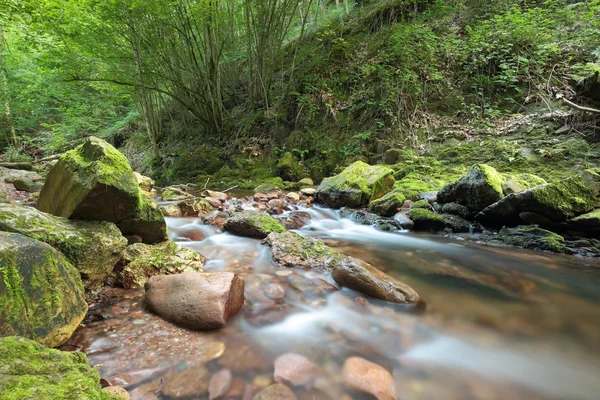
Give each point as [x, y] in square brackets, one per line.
[9, 120]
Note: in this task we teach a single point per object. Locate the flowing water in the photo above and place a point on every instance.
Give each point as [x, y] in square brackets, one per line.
[497, 323]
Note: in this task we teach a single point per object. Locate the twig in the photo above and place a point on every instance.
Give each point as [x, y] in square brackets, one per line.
[206, 183]
[580, 108]
[227, 190]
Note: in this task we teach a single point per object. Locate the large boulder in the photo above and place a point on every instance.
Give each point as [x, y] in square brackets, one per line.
[196, 300]
[428, 220]
[530, 237]
[588, 223]
[95, 182]
[141, 261]
[41, 293]
[291, 250]
[389, 204]
[519, 182]
[29, 370]
[356, 185]
[252, 224]
[93, 247]
[476, 190]
[359, 275]
[557, 201]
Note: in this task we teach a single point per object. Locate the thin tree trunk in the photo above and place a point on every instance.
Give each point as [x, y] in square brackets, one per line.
[7, 112]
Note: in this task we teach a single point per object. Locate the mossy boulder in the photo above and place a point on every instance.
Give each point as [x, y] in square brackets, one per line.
[26, 185]
[421, 204]
[93, 247]
[142, 261]
[41, 293]
[519, 182]
[558, 201]
[389, 204]
[95, 182]
[356, 185]
[291, 250]
[174, 194]
[252, 224]
[530, 237]
[288, 168]
[479, 188]
[588, 223]
[145, 183]
[187, 208]
[29, 370]
[412, 185]
[428, 220]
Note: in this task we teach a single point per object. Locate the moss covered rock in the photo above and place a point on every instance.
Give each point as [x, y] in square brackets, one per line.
[95, 182]
[288, 168]
[29, 370]
[93, 247]
[476, 190]
[428, 220]
[356, 185]
[530, 237]
[411, 186]
[187, 208]
[558, 201]
[291, 250]
[252, 224]
[26, 185]
[389, 204]
[145, 183]
[174, 194]
[519, 182]
[141, 261]
[41, 293]
[271, 185]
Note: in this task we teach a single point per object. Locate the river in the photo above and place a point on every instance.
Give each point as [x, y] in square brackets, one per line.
[497, 323]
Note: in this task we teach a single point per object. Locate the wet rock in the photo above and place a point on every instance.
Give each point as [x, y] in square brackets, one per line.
[260, 197]
[276, 203]
[430, 221]
[291, 250]
[557, 201]
[476, 190]
[364, 278]
[456, 224]
[404, 221]
[243, 354]
[358, 184]
[215, 203]
[275, 194]
[93, 247]
[389, 204]
[456, 209]
[293, 197]
[530, 237]
[41, 293]
[531, 218]
[588, 223]
[308, 191]
[368, 377]
[291, 222]
[361, 216]
[145, 183]
[95, 182]
[220, 196]
[275, 392]
[196, 300]
[219, 384]
[388, 225]
[32, 371]
[142, 261]
[26, 185]
[192, 381]
[294, 369]
[187, 208]
[268, 187]
[117, 391]
[252, 224]
[275, 291]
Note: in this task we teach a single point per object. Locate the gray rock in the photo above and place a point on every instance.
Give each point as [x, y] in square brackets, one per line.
[476, 190]
[252, 224]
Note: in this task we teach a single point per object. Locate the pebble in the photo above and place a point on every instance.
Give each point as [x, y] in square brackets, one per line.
[294, 369]
[275, 291]
[219, 384]
[192, 381]
[365, 376]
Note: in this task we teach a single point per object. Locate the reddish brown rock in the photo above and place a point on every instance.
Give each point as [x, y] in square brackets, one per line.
[219, 384]
[364, 278]
[277, 203]
[275, 291]
[216, 203]
[275, 392]
[274, 195]
[294, 369]
[260, 197]
[196, 300]
[220, 196]
[368, 377]
[192, 381]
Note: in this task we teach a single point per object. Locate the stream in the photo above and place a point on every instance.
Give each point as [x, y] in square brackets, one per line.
[497, 323]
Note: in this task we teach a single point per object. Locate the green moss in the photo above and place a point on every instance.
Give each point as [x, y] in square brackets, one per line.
[421, 204]
[591, 216]
[253, 224]
[527, 181]
[31, 371]
[389, 204]
[288, 168]
[492, 177]
[413, 185]
[424, 215]
[14, 301]
[569, 197]
[532, 237]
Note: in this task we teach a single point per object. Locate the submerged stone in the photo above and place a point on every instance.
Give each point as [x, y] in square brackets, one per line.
[41, 293]
[95, 182]
[356, 185]
[252, 224]
[29, 370]
[93, 247]
[476, 190]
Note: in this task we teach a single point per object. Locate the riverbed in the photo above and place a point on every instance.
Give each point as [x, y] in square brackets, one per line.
[496, 323]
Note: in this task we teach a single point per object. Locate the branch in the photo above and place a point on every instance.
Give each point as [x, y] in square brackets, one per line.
[580, 108]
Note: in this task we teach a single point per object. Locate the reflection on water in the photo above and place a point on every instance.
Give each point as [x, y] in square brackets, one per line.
[499, 323]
